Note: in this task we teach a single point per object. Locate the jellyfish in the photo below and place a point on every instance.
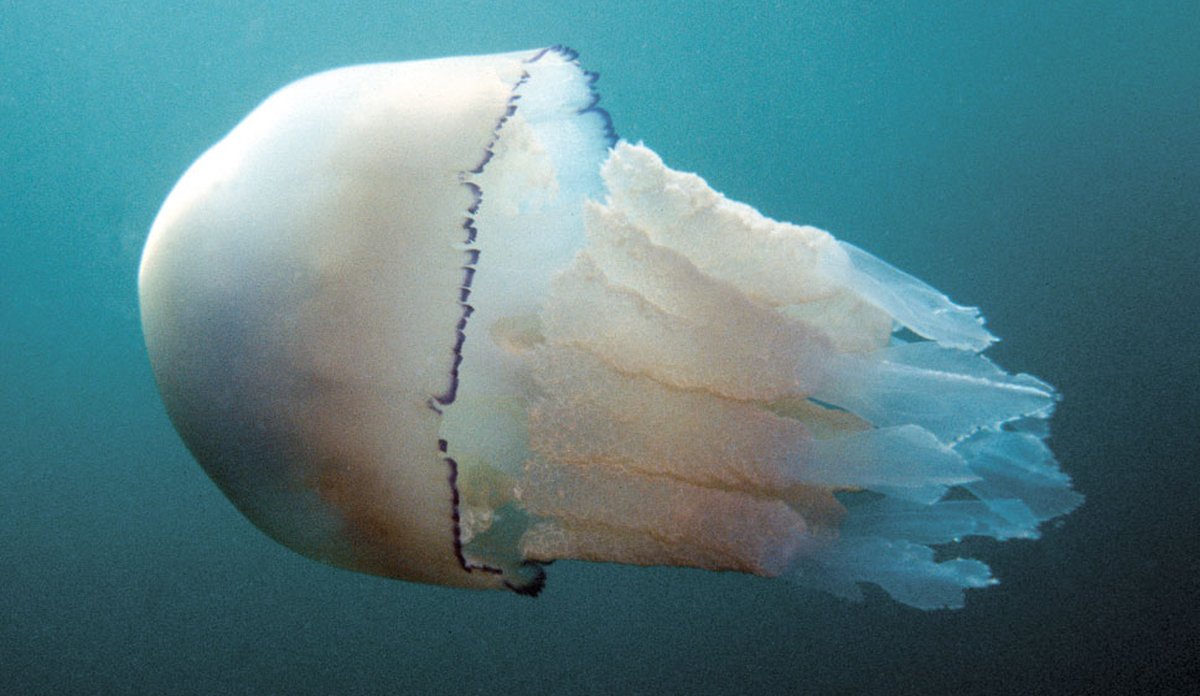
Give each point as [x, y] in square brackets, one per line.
[434, 321]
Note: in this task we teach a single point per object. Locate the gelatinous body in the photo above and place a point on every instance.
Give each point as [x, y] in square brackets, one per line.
[433, 321]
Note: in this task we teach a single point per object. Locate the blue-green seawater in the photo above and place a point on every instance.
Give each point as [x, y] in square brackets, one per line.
[1040, 160]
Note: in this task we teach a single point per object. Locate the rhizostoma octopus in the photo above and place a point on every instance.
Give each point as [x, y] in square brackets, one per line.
[433, 321]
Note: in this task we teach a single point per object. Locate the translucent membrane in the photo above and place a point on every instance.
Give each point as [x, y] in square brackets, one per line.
[701, 383]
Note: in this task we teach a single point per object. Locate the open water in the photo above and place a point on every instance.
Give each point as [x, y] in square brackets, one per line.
[1040, 160]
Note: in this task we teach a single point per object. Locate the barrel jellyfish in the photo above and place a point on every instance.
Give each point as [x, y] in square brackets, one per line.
[434, 321]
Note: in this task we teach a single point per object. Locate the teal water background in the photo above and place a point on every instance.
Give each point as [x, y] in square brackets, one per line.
[1040, 160]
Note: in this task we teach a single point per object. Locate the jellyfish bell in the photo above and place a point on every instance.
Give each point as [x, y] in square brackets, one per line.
[433, 321]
